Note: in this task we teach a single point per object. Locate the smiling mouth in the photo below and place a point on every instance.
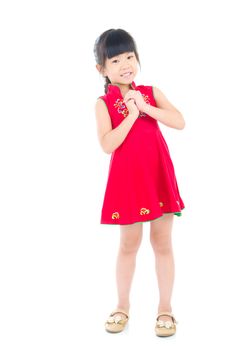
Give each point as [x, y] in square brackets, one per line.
[126, 74]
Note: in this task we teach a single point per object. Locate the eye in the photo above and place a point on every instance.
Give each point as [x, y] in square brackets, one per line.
[115, 61]
[129, 57]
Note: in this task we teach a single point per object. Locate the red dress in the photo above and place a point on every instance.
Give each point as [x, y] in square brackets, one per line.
[141, 183]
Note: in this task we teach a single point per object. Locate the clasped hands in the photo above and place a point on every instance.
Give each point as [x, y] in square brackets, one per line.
[134, 99]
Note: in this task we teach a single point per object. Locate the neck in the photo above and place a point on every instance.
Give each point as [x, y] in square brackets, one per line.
[124, 88]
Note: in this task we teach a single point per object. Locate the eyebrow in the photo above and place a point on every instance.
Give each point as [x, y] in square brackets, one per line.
[127, 52]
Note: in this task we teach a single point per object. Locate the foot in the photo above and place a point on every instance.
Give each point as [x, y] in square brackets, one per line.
[165, 324]
[122, 310]
[117, 321]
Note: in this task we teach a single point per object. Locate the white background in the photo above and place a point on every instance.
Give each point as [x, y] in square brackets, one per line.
[57, 262]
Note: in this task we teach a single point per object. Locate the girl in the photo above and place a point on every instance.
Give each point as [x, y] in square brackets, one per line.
[141, 182]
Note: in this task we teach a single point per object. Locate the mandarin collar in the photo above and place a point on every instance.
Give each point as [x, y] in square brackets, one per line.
[113, 88]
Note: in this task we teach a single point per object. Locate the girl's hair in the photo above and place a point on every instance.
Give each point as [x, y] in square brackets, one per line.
[111, 43]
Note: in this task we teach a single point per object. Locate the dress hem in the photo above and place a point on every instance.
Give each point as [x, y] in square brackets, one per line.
[177, 213]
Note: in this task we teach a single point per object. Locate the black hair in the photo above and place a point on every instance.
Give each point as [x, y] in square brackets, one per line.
[111, 43]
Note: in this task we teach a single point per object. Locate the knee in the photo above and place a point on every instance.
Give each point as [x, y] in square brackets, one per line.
[130, 246]
[160, 244]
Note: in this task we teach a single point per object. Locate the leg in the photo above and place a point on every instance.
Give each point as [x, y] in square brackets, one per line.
[130, 240]
[160, 237]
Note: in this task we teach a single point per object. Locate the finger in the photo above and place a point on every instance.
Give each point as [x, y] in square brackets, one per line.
[129, 95]
[128, 100]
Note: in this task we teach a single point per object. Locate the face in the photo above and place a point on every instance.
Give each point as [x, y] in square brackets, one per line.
[121, 69]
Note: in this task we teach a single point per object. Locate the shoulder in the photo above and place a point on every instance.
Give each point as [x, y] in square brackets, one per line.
[158, 94]
[161, 100]
[101, 109]
[102, 113]
[100, 103]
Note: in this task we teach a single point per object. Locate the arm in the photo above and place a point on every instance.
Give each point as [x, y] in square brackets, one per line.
[110, 139]
[165, 112]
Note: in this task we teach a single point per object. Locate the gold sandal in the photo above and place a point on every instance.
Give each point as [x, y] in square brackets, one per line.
[165, 328]
[115, 322]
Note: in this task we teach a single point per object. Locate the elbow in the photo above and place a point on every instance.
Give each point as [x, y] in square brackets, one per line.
[106, 149]
[181, 122]
[181, 125]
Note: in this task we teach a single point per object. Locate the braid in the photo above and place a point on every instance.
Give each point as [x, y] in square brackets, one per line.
[107, 82]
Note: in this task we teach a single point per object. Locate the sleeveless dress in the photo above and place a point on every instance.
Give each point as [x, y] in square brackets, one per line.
[141, 183]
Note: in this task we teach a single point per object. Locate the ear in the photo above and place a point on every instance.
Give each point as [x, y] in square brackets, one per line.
[100, 69]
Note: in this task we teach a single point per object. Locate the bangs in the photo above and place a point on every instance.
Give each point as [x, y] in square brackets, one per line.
[119, 42]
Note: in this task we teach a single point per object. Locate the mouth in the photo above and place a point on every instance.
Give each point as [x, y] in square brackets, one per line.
[126, 75]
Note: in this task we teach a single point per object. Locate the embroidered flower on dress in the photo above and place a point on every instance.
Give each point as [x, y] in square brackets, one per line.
[115, 215]
[144, 211]
[121, 107]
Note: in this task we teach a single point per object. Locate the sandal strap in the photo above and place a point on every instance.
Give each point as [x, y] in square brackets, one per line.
[117, 311]
[166, 314]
